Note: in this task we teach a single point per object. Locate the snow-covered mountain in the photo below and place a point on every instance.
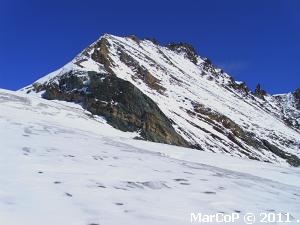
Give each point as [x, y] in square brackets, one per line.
[290, 107]
[169, 94]
[61, 165]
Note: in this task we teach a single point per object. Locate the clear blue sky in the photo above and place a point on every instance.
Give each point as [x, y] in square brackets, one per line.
[256, 41]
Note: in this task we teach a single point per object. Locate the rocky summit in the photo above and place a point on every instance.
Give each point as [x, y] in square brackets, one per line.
[170, 94]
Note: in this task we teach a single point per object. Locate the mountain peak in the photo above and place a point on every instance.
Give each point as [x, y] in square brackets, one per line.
[169, 94]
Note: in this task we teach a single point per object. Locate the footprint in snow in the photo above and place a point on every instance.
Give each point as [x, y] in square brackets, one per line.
[218, 175]
[97, 157]
[185, 183]
[119, 203]
[27, 130]
[155, 185]
[120, 188]
[68, 194]
[70, 156]
[26, 150]
[203, 179]
[210, 192]
[180, 179]
[284, 172]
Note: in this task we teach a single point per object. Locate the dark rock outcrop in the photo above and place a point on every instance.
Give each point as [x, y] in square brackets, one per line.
[240, 86]
[153, 40]
[141, 72]
[290, 158]
[186, 48]
[238, 135]
[135, 38]
[236, 132]
[123, 105]
[209, 67]
[259, 92]
[297, 98]
[100, 54]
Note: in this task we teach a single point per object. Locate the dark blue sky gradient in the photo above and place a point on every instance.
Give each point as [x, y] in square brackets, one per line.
[256, 41]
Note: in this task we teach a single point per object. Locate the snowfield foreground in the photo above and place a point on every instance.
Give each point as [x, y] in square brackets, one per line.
[59, 165]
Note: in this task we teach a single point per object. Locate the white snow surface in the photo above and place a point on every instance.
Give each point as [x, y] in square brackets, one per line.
[59, 165]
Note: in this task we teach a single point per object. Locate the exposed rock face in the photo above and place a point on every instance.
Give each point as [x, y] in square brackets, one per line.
[100, 54]
[297, 98]
[291, 159]
[242, 87]
[210, 68]
[153, 40]
[259, 92]
[289, 105]
[172, 95]
[123, 105]
[239, 136]
[185, 48]
[140, 72]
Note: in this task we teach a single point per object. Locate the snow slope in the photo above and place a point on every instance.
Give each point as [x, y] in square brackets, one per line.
[61, 165]
[288, 103]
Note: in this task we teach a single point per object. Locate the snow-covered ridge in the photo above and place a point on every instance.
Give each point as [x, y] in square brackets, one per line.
[209, 109]
[61, 165]
[290, 106]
